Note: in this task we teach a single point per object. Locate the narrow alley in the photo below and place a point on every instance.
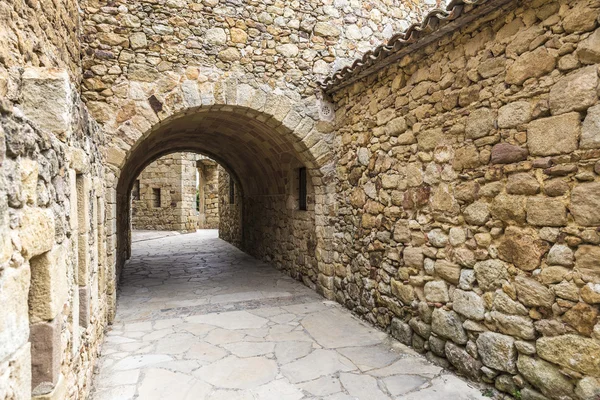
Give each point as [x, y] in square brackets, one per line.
[199, 319]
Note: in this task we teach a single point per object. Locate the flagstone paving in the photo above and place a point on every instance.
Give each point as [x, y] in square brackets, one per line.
[199, 319]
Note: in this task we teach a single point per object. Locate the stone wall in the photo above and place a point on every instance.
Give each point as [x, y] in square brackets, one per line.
[208, 194]
[175, 177]
[38, 34]
[469, 187]
[56, 287]
[230, 212]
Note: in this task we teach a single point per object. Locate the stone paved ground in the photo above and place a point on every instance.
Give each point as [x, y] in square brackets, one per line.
[199, 319]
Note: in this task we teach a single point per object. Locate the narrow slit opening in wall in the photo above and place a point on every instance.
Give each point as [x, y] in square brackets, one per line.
[231, 191]
[156, 197]
[302, 189]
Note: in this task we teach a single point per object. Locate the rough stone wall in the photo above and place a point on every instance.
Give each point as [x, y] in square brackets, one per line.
[208, 194]
[469, 187]
[230, 214]
[38, 34]
[175, 176]
[56, 287]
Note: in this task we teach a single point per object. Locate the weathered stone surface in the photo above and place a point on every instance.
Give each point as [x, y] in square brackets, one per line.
[14, 315]
[514, 114]
[530, 65]
[514, 325]
[546, 212]
[575, 92]
[477, 213]
[554, 135]
[401, 331]
[491, 274]
[49, 286]
[588, 388]
[37, 231]
[326, 29]
[497, 351]
[447, 325]
[532, 293]
[522, 183]
[436, 292]
[468, 304]
[448, 271]
[215, 36]
[545, 377]
[586, 262]
[582, 317]
[590, 130]
[413, 257]
[571, 351]
[45, 352]
[403, 292]
[45, 99]
[560, 254]
[480, 123]
[585, 204]
[521, 248]
[588, 50]
[508, 208]
[462, 360]
[505, 153]
[590, 293]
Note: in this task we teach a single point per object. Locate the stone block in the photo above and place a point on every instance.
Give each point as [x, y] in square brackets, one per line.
[447, 324]
[505, 153]
[468, 304]
[532, 293]
[462, 360]
[590, 130]
[46, 99]
[401, 331]
[514, 114]
[480, 123]
[491, 274]
[546, 212]
[585, 204]
[545, 377]
[477, 213]
[436, 292]
[571, 351]
[575, 92]
[46, 352]
[413, 257]
[36, 231]
[514, 325]
[448, 271]
[587, 264]
[554, 135]
[84, 306]
[14, 313]
[588, 51]
[533, 64]
[49, 288]
[497, 351]
[522, 183]
[508, 208]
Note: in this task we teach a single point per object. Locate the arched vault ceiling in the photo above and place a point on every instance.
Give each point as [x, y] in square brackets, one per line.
[258, 152]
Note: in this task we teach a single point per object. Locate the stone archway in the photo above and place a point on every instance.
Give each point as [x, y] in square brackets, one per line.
[262, 138]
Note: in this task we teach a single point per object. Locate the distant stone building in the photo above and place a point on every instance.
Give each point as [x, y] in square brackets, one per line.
[177, 192]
